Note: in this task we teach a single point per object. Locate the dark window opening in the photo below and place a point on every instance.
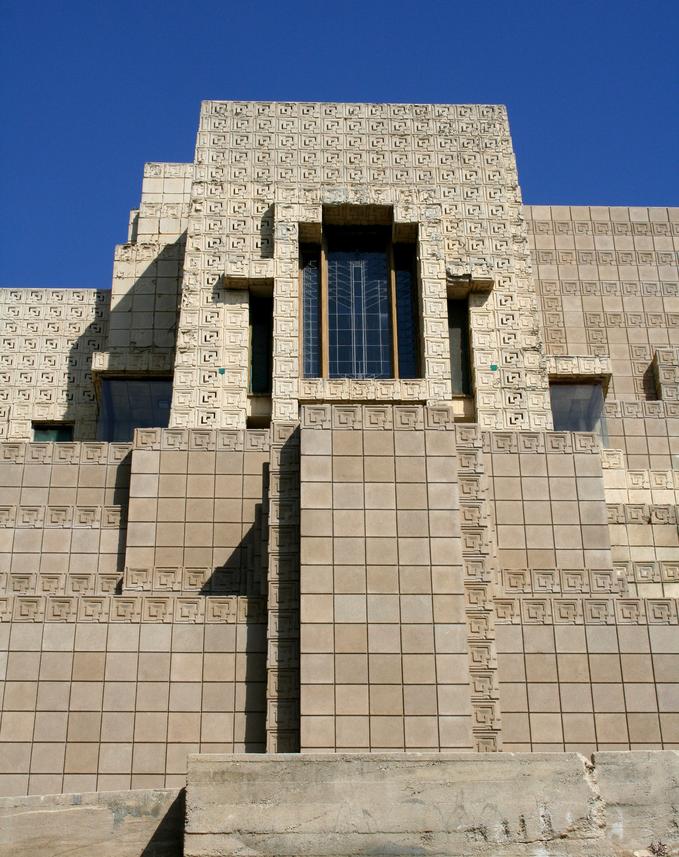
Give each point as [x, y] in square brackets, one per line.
[258, 421]
[458, 337]
[311, 311]
[52, 432]
[359, 305]
[579, 407]
[406, 309]
[261, 343]
[130, 403]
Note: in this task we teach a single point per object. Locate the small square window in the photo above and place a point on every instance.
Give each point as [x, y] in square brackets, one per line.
[579, 407]
[52, 432]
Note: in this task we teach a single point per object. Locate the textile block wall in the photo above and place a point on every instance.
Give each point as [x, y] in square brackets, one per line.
[114, 672]
[383, 565]
[384, 654]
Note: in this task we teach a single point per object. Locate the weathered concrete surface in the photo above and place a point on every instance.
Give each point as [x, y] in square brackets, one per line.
[102, 824]
[641, 794]
[461, 805]
[458, 805]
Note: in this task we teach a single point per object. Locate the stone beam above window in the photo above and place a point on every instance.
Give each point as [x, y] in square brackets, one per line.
[585, 369]
[460, 286]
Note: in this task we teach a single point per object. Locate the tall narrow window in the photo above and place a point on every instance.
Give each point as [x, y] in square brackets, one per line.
[311, 311]
[458, 337]
[359, 299]
[261, 341]
[406, 305]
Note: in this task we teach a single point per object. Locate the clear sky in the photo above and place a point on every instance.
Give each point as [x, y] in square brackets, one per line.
[91, 89]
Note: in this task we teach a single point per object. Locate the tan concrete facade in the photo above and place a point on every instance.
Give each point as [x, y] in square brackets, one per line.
[346, 564]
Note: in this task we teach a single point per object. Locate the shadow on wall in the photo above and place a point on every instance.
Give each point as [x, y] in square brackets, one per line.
[141, 343]
[80, 398]
[139, 339]
[266, 234]
[168, 837]
[244, 570]
[650, 387]
[127, 823]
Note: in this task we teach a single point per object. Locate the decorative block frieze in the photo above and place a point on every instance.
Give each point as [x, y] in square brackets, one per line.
[283, 593]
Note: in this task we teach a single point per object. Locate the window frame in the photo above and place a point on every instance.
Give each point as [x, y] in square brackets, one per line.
[104, 400]
[320, 246]
[583, 381]
[256, 299]
[466, 362]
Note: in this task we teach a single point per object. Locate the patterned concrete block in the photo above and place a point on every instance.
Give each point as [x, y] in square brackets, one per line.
[342, 563]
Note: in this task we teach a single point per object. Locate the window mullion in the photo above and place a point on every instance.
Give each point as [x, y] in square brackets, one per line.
[325, 327]
[392, 300]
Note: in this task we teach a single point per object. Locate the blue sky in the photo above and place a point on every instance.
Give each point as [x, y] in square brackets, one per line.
[92, 90]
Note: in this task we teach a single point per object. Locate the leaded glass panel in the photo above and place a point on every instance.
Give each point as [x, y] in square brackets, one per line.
[311, 313]
[358, 310]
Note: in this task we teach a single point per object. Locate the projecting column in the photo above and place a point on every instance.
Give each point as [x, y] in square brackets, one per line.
[384, 653]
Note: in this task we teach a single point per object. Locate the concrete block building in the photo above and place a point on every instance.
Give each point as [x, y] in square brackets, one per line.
[358, 454]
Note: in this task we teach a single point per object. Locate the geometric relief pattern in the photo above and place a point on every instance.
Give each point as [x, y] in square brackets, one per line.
[47, 337]
[608, 283]
[262, 169]
[370, 571]
[479, 553]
